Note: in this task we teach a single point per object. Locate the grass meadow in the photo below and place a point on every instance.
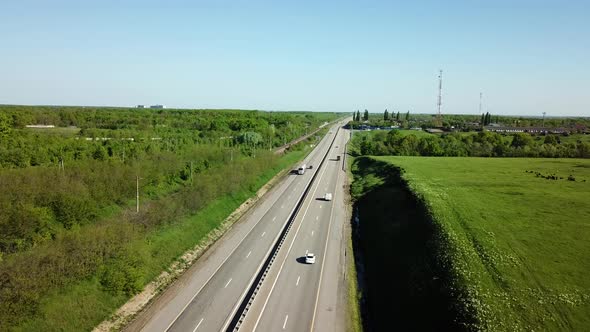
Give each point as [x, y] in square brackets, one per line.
[517, 234]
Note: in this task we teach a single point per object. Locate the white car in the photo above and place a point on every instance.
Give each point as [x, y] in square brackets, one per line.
[310, 258]
[328, 197]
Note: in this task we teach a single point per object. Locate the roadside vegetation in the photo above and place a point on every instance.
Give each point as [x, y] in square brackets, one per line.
[72, 246]
[503, 241]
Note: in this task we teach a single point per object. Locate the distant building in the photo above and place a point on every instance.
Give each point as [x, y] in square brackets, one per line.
[530, 130]
[140, 106]
[158, 106]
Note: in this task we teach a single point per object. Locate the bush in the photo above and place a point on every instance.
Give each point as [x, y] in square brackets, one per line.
[123, 274]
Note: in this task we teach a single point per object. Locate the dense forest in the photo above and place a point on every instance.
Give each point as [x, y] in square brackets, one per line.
[481, 144]
[68, 194]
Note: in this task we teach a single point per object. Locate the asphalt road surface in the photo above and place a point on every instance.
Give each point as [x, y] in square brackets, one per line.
[308, 297]
[207, 296]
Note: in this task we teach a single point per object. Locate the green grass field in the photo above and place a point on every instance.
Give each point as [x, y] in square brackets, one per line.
[519, 244]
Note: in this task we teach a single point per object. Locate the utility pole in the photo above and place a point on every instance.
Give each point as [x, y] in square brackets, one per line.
[137, 195]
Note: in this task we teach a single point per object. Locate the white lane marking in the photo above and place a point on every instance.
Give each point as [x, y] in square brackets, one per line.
[297, 283]
[227, 283]
[317, 218]
[282, 206]
[198, 324]
[320, 206]
[306, 252]
[285, 323]
[274, 218]
[249, 252]
[263, 234]
[311, 233]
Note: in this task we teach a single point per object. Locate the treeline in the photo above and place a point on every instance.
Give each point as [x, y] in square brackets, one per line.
[482, 144]
[124, 134]
[463, 122]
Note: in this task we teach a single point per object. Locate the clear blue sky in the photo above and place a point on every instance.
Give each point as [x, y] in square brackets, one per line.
[525, 56]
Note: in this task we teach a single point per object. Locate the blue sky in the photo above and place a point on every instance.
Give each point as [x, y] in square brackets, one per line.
[527, 57]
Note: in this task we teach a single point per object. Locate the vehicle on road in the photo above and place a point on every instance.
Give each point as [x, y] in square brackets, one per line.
[310, 166]
[328, 197]
[337, 158]
[301, 170]
[310, 258]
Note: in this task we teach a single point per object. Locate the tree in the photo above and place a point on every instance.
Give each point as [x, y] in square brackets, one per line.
[100, 153]
[487, 118]
[386, 115]
[483, 119]
[358, 116]
[551, 139]
[397, 116]
[250, 138]
[366, 115]
[408, 116]
[521, 140]
[5, 125]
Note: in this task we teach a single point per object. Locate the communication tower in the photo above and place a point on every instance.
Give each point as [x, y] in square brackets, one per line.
[480, 96]
[439, 101]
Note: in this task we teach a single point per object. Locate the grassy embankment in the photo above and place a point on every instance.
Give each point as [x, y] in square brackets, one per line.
[354, 296]
[403, 282]
[515, 238]
[82, 305]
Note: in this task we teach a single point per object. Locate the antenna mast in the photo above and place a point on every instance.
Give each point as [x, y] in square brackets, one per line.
[480, 96]
[439, 102]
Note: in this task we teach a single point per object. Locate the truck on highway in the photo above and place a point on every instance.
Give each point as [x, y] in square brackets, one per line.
[301, 169]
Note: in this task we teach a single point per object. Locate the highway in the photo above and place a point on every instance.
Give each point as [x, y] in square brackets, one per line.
[305, 297]
[208, 295]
